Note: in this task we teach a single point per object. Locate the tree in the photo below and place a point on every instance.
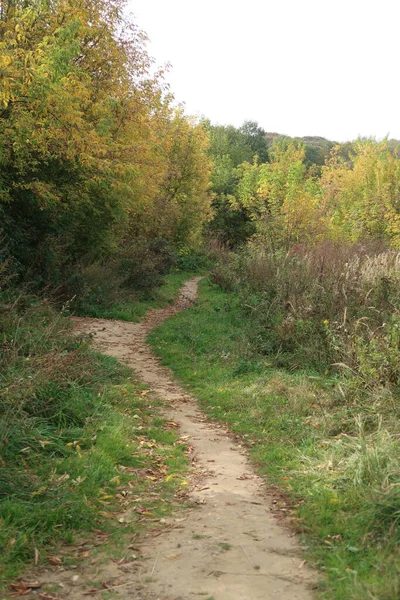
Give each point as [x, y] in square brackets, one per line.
[281, 197]
[229, 148]
[88, 136]
[362, 195]
[255, 138]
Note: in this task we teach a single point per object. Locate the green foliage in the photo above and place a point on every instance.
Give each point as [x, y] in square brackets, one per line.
[290, 199]
[192, 261]
[229, 148]
[317, 149]
[361, 196]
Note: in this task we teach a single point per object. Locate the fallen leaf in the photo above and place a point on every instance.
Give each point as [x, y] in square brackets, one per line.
[111, 584]
[44, 443]
[34, 585]
[23, 587]
[301, 565]
[54, 560]
[143, 511]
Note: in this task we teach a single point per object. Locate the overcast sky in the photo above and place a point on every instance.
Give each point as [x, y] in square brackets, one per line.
[299, 67]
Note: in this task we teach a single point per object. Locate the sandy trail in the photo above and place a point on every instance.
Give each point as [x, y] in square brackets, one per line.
[230, 546]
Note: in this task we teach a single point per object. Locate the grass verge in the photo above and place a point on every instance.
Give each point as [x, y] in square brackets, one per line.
[337, 460]
[82, 447]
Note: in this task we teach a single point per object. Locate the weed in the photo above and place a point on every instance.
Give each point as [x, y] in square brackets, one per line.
[330, 308]
[224, 546]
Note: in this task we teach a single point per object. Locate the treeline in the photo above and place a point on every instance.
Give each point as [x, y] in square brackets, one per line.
[97, 163]
[285, 195]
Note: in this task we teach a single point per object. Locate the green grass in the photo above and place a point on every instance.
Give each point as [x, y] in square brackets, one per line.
[81, 444]
[136, 306]
[334, 458]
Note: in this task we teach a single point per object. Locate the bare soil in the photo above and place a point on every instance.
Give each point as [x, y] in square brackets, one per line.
[230, 545]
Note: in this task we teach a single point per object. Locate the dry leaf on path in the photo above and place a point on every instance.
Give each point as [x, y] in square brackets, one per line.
[22, 588]
[54, 560]
[245, 476]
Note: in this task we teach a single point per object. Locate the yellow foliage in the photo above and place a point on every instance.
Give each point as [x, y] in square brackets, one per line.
[88, 129]
[354, 199]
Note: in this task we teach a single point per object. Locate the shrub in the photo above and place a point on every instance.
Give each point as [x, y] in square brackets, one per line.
[144, 263]
[327, 307]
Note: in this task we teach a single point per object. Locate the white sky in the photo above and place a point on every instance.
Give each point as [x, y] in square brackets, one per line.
[299, 67]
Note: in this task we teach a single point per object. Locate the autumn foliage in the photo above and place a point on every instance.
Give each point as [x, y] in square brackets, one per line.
[349, 199]
[94, 154]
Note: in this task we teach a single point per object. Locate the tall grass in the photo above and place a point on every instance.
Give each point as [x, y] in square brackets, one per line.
[74, 430]
[330, 307]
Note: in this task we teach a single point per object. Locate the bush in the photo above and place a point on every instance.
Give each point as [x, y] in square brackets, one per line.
[327, 307]
[95, 285]
[144, 263]
[122, 279]
[191, 260]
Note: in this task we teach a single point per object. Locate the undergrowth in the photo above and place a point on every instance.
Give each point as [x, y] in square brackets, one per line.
[80, 442]
[334, 453]
[104, 298]
[328, 307]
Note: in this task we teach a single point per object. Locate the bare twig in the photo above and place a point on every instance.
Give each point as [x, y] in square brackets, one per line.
[246, 555]
[154, 566]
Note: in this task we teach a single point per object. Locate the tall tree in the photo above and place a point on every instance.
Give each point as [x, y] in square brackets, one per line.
[87, 132]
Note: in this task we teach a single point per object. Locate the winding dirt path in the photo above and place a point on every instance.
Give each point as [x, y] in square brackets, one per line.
[231, 546]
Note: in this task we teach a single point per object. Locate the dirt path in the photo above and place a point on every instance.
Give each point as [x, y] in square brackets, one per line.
[231, 546]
